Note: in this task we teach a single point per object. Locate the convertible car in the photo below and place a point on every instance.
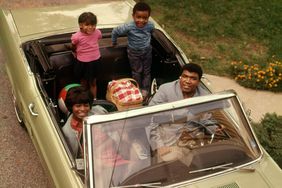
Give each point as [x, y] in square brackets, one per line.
[211, 142]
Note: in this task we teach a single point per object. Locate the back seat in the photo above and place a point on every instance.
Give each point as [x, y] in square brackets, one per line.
[62, 64]
[114, 65]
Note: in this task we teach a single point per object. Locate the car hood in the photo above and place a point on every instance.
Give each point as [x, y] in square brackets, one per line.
[264, 173]
[57, 19]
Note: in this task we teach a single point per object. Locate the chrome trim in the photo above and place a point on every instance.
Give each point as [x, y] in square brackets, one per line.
[31, 108]
[161, 107]
[88, 162]
[16, 109]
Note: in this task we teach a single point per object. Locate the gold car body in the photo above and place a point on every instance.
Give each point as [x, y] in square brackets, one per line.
[22, 25]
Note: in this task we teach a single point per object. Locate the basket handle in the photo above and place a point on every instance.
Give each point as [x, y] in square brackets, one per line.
[129, 79]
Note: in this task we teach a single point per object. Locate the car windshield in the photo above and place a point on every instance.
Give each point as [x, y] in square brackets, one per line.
[172, 146]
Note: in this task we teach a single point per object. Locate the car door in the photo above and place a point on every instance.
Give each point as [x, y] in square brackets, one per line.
[35, 110]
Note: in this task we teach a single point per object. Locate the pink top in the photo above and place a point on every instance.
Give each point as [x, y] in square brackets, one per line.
[87, 47]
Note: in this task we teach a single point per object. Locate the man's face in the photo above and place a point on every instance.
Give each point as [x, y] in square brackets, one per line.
[80, 110]
[141, 18]
[189, 82]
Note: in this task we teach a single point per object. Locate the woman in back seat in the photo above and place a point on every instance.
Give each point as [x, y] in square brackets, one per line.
[78, 102]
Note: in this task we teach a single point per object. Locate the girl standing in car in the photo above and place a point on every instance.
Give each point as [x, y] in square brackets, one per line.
[86, 48]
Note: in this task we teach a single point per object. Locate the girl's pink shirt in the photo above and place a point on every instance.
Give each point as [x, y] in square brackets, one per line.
[87, 47]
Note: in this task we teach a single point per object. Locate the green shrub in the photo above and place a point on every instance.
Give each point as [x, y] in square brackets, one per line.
[269, 133]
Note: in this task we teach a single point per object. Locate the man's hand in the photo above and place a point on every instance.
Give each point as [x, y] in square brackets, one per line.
[163, 150]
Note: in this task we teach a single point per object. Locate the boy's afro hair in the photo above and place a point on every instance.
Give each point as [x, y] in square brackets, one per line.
[141, 6]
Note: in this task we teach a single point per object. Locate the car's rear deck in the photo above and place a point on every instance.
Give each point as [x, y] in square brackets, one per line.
[52, 61]
[56, 61]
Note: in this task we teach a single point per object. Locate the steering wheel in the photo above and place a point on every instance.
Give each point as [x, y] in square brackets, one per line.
[153, 90]
[201, 135]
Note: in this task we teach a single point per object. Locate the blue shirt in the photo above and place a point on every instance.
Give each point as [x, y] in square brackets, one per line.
[138, 38]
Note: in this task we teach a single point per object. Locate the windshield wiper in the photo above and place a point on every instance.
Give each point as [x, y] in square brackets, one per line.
[157, 184]
[224, 166]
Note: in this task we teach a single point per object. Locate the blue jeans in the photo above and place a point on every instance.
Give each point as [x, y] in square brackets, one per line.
[140, 63]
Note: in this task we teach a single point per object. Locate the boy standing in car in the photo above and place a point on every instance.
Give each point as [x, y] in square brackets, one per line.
[139, 48]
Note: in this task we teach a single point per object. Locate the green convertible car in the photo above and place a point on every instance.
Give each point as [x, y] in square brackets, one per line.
[219, 149]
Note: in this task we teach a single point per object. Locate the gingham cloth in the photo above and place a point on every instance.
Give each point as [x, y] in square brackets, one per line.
[125, 91]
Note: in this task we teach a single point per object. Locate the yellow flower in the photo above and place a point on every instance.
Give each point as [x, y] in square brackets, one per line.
[261, 72]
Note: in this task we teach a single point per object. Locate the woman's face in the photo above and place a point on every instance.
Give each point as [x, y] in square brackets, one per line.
[80, 110]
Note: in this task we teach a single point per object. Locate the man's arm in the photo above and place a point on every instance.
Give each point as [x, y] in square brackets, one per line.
[156, 141]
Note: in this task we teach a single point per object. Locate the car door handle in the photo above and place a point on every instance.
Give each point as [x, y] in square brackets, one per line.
[31, 108]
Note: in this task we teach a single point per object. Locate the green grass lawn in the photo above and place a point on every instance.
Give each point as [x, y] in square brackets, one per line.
[215, 33]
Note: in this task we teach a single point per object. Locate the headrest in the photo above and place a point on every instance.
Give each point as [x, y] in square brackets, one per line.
[63, 95]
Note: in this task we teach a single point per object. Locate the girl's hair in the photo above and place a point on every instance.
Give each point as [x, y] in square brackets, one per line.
[88, 18]
[78, 95]
[141, 6]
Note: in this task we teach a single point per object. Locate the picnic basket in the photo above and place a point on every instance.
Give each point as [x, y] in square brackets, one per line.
[124, 93]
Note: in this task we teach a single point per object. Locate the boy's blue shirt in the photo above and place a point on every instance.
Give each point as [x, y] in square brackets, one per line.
[138, 38]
